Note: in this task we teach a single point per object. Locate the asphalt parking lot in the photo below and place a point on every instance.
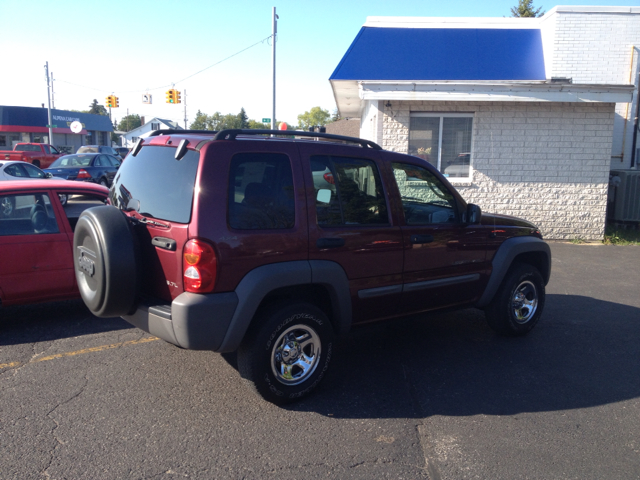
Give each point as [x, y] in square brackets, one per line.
[439, 397]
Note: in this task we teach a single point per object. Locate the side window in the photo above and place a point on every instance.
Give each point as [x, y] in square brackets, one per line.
[100, 162]
[33, 172]
[16, 170]
[425, 199]
[261, 195]
[54, 151]
[27, 215]
[348, 191]
[114, 161]
[46, 149]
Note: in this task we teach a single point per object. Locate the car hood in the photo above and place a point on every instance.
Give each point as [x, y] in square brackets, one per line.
[505, 221]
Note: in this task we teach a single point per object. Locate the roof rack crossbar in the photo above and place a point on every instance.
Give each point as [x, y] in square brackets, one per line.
[232, 133]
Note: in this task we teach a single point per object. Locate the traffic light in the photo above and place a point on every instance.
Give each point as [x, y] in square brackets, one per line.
[116, 102]
[171, 96]
[109, 101]
[177, 96]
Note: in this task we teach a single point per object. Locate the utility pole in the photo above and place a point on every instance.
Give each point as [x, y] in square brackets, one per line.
[274, 21]
[185, 108]
[53, 97]
[46, 69]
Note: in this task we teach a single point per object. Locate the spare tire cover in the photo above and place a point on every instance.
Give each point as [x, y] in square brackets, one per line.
[105, 259]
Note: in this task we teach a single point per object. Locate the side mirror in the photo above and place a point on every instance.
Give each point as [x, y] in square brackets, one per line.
[48, 175]
[473, 214]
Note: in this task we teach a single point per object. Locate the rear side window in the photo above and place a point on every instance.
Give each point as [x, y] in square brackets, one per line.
[156, 184]
[27, 215]
[348, 191]
[261, 195]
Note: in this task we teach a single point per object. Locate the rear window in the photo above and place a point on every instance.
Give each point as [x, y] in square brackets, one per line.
[159, 185]
[88, 150]
[28, 148]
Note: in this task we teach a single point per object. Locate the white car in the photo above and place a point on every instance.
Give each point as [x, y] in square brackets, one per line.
[16, 170]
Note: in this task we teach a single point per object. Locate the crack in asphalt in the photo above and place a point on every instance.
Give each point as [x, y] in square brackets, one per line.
[57, 424]
[428, 449]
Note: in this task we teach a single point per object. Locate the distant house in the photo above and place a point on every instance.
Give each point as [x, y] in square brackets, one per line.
[525, 116]
[130, 138]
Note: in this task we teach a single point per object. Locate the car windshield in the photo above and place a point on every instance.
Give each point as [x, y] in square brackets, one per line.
[73, 161]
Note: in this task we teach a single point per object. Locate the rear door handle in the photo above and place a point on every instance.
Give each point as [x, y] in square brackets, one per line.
[420, 239]
[330, 242]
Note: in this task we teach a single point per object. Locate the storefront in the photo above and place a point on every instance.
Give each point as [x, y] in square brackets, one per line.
[28, 124]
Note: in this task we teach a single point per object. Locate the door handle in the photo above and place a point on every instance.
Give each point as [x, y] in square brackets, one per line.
[330, 242]
[420, 239]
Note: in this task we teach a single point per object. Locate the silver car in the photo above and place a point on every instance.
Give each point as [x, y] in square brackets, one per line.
[17, 170]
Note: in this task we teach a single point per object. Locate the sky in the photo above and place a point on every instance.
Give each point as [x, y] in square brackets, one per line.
[219, 52]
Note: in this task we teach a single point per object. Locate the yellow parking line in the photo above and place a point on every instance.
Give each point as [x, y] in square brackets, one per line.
[82, 352]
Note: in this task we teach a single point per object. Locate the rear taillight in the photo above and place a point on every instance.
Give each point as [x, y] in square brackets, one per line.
[199, 267]
[329, 178]
[83, 174]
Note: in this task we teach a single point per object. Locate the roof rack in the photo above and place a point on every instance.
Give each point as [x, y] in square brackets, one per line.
[231, 134]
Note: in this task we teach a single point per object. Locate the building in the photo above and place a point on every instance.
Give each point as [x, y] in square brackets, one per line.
[131, 137]
[526, 116]
[29, 124]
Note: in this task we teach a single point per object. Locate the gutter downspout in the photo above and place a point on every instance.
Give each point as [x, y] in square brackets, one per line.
[626, 115]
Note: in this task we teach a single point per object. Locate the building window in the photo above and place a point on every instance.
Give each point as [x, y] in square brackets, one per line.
[155, 126]
[444, 140]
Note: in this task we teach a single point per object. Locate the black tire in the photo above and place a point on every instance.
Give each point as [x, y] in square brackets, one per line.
[104, 183]
[518, 304]
[286, 352]
[105, 258]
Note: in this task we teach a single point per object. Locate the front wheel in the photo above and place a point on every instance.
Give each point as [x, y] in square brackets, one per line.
[287, 352]
[518, 304]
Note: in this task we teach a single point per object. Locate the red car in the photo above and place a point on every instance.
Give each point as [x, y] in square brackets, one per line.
[36, 238]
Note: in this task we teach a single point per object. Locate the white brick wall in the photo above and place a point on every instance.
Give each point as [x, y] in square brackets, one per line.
[545, 162]
[596, 47]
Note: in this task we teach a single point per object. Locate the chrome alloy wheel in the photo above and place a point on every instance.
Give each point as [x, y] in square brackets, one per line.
[295, 354]
[6, 207]
[524, 302]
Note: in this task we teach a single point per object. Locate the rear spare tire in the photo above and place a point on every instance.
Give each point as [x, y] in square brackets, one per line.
[105, 259]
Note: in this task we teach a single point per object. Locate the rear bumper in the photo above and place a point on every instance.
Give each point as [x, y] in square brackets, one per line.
[192, 321]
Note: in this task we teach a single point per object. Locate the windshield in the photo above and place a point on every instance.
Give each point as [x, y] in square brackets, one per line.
[157, 185]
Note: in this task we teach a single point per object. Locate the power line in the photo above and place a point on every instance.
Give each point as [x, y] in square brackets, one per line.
[179, 81]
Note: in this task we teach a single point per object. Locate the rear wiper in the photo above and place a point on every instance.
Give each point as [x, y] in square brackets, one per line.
[144, 219]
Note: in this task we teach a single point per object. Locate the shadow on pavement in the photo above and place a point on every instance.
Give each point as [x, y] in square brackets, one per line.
[584, 353]
[52, 321]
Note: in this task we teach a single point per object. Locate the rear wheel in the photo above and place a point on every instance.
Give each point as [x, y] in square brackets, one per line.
[104, 183]
[287, 352]
[518, 304]
[7, 206]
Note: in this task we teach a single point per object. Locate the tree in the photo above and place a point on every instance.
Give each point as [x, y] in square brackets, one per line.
[525, 8]
[130, 122]
[335, 116]
[255, 125]
[201, 122]
[243, 119]
[315, 117]
[97, 109]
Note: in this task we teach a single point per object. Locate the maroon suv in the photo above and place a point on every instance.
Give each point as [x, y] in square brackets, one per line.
[275, 246]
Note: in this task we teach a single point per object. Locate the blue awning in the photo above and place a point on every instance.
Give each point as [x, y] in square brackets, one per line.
[443, 54]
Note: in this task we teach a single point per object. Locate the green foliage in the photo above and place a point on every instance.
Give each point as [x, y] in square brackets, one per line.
[218, 121]
[620, 236]
[97, 109]
[335, 116]
[315, 117]
[525, 8]
[129, 123]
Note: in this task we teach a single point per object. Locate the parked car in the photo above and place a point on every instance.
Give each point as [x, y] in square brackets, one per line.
[238, 242]
[36, 232]
[122, 151]
[18, 170]
[100, 149]
[86, 167]
[39, 154]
